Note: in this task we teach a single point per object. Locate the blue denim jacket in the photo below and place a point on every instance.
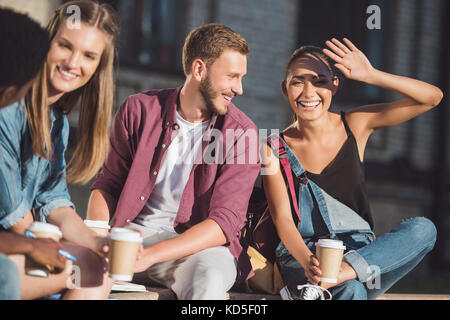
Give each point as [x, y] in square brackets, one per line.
[337, 221]
[26, 180]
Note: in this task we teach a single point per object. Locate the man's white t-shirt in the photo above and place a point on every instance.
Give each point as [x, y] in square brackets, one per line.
[161, 208]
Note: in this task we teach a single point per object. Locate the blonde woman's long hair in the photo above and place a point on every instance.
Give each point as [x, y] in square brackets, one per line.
[95, 98]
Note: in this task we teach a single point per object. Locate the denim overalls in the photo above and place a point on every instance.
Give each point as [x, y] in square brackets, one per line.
[378, 263]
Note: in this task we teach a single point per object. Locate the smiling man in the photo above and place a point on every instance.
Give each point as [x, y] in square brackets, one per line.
[189, 212]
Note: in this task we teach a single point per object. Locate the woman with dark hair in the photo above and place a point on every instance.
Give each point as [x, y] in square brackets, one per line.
[33, 140]
[25, 45]
[326, 153]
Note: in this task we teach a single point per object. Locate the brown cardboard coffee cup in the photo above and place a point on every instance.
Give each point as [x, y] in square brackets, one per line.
[41, 230]
[330, 253]
[98, 226]
[124, 247]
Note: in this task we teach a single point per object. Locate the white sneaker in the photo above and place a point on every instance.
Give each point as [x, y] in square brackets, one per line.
[305, 292]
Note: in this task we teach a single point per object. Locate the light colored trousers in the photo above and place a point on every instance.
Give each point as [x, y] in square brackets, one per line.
[206, 275]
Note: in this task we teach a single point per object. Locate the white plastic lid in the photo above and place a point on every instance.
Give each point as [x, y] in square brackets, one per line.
[45, 227]
[97, 224]
[330, 243]
[123, 234]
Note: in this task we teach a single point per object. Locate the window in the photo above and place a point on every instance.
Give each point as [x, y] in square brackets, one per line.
[320, 20]
[152, 34]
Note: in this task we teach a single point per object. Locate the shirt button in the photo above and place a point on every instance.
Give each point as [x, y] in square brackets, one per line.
[128, 221]
[142, 198]
[163, 145]
[175, 126]
[155, 173]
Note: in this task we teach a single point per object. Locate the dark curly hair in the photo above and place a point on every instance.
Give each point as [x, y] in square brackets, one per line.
[24, 47]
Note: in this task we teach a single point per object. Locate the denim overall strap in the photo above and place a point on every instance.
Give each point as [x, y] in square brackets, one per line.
[276, 143]
[307, 189]
[337, 217]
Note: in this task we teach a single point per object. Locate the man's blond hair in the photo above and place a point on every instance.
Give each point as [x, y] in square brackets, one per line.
[208, 42]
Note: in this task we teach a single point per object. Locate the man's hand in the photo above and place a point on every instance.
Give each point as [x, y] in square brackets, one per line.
[142, 262]
[101, 246]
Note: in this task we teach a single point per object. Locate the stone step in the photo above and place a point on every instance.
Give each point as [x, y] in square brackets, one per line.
[413, 296]
[155, 293]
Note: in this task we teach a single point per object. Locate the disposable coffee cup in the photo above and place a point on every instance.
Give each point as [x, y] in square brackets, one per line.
[98, 226]
[124, 247]
[42, 230]
[330, 253]
[45, 230]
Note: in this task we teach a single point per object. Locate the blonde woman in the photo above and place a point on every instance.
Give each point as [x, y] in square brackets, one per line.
[33, 140]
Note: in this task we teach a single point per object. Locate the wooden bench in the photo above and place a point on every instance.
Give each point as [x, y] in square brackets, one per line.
[155, 293]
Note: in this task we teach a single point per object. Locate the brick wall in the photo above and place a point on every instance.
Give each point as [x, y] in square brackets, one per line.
[415, 53]
[270, 28]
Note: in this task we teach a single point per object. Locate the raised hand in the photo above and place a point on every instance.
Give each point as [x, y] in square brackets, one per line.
[349, 60]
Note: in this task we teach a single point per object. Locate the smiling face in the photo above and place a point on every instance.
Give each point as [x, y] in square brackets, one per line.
[74, 56]
[223, 81]
[309, 87]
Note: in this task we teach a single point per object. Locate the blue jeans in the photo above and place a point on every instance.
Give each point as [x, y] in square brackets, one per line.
[9, 279]
[379, 264]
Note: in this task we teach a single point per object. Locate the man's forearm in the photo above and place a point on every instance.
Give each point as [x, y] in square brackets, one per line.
[101, 206]
[203, 235]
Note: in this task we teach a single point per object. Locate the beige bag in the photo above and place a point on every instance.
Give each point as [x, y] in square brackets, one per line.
[267, 278]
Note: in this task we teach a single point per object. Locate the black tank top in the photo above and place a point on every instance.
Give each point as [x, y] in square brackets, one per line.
[344, 178]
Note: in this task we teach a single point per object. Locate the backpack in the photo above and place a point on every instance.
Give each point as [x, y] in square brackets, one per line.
[259, 234]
